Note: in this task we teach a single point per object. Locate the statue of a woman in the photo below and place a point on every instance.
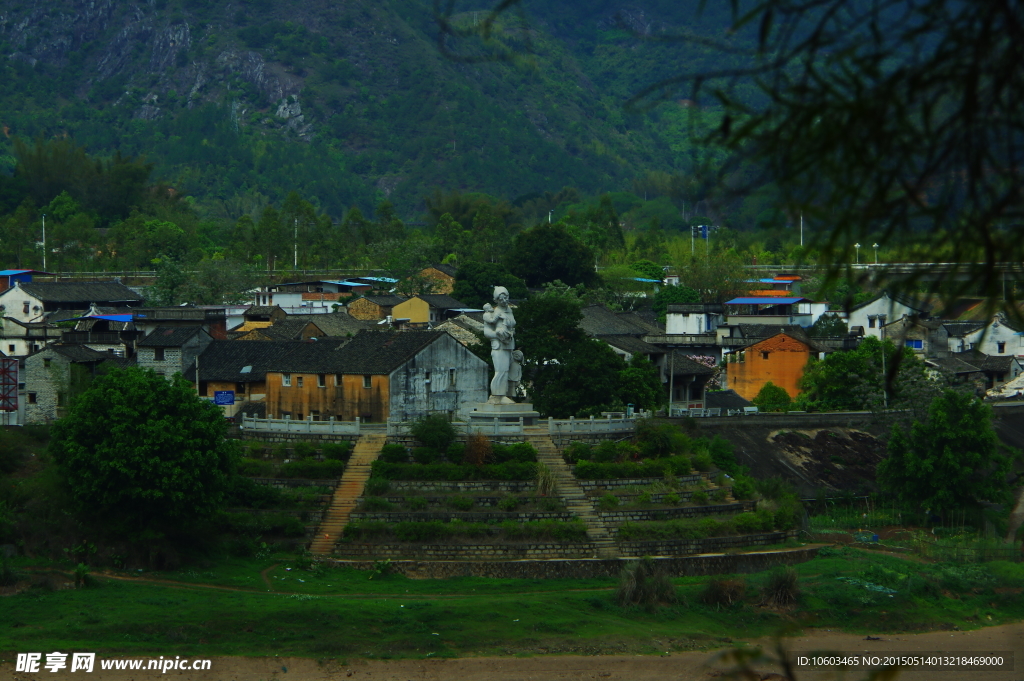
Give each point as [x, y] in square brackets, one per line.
[500, 329]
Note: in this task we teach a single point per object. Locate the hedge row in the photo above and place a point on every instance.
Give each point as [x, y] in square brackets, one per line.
[511, 470]
[651, 468]
[689, 529]
[436, 530]
[309, 468]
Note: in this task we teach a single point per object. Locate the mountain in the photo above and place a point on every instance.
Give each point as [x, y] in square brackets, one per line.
[239, 103]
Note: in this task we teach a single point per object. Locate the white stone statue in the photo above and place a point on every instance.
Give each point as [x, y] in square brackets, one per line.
[500, 329]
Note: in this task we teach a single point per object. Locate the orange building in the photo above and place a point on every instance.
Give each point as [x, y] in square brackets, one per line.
[442, 278]
[780, 359]
[373, 308]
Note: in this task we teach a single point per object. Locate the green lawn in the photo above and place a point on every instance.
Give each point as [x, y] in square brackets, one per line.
[343, 613]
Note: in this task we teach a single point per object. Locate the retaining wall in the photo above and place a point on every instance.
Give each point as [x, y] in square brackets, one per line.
[589, 568]
[451, 486]
[846, 419]
[463, 516]
[708, 545]
[591, 486]
[651, 514]
[440, 502]
[467, 552]
[330, 483]
[272, 437]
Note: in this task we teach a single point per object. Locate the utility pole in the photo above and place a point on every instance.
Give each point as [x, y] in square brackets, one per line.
[44, 242]
[295, 264]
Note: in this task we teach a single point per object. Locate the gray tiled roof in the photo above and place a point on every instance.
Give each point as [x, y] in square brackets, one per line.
[384, 301]
[441, 301]
[957, 329]
[80, 353]
[169, 336]
[86, 292]
[224, 360]
[600, 321]
[632, 345]
[954, 365]
[993, 363]
[682, 364]
[290, 328]
[725, 399]
[340, 324]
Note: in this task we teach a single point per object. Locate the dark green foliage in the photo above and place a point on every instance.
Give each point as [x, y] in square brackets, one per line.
[673, 295]
[644, 583]
[550, 253]
[415, 503]
[522, 452]
[15, 447]
[657, 468]
[508, 503]
[393, 453]
[434, 430]
[459, 502]
[951, 461]
[660, 439]
[425, 455]
[376, 486]
[829, 325]
[577, 451]
[640, 385]
[337, 451]
[721, 452]
[702, 462]
[772, 398]
[743, 487]
[257, 468]
[142, 452]
[303, 450]
[691, 528]
[475, 282]
[311, 469]
[438, 531]
[243, 492]
[648, 270]
[606, 452]
[608, 502]
[700, 497]
[377, 504]
[455, 452]
[446, 471]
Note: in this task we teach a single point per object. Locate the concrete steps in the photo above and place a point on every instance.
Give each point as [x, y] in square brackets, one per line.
[346, 494]
[573, 495]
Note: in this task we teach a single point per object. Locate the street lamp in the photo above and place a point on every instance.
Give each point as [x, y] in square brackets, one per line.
[875, 246]
[857, 246]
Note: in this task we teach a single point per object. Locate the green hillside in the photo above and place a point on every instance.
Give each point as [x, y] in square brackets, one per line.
[238, 104]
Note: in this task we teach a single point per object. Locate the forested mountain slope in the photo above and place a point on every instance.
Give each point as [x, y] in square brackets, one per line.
[238, 103]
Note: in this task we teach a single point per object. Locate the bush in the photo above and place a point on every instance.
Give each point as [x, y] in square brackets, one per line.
[460, 503]
[671, 499]
[576, 452]
[782, 589]
[700, 497]
[645, 583]
[761, 520]
[773, 488]
[743, 487]
[245, 493]
[719, 496]
[456, 452]
[772, 398]
[643, 498]
[377, 486]
[703, 462]
[416, 503]
[521, 452]
[337, 451]
[393, 453]
[478, 450]
[425, 455]
[608, 502]
[676, 465]
[256, 468]
[449, 471]
[303, 450]
[312, 469]
[660, 439]
[606, 452]
[377, 504]
[434, 431]
[508, 503]
[723, 593]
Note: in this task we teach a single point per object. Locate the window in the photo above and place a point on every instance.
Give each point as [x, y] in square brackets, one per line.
[321, 380]
[314, 415]
[299, 382]
[240, 388]
[60, 399]
[451, 378]
[158, 354]
[24, 309]
[299, 416]
[367, 381]
[914, 344]
[764, 354]
[46, 361]
[871, 322]
[1001, 347]
[286, 380]
[31, 398]
[10, 349]
[337, 380]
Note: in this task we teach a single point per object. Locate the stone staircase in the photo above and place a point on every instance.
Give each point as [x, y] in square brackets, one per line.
[349, 489]
[573, 496]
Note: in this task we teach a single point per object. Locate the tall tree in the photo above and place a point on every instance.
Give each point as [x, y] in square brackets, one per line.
[547, 253]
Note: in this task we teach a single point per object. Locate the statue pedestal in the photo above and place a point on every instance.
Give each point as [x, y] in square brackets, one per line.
[506, 412]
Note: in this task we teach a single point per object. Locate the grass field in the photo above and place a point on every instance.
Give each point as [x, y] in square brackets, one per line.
[229, 609]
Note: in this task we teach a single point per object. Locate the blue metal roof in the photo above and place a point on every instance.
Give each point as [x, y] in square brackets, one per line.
[108, 317]
[764, 301]
[651, 281]
[388, 280]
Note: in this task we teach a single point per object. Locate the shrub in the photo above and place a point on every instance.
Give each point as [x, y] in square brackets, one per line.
[660, 439]
[761, 520]
[508, 503]
[460, 503]
[772, 398]
[521, 452]
[608, 502]
[643, 498]
[546, 484]
[448, 471]
[421, 532]
[377, 486]
[393, 453]
[434, 431]
[337, 451]
[645, 583]
[425, 455]
[549, 504]
[702, 462]
[773, 488]
[478, 450]
[244, 492]
[782, 589]
[700, 497]
[280, 451]
[455, 452]
[743, 487]
[719, 495]
[256, 468]
[377, 504]
[672, 499]
[723, 593]
[7, 575]
[303, 450]
[416, 503]
[576, 452]
[676, 465]
[606, 452]
[312, 469]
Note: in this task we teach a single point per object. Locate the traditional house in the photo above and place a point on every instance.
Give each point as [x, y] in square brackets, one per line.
[289, 328]
[467, 328]
[441, 278]
[18, 339]
[687, 381]
[9, 277]
[31, 302]
[341, 324]
[55, 374]
[913, 333]
[239, 371]
[377, 376]
[212, 320]
[109, 330]
[884, 309]
[426, 309]
[374, 308]
[780, 359]
[169, 350]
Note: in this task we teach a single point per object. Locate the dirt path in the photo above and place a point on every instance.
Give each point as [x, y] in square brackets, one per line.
[692, 666]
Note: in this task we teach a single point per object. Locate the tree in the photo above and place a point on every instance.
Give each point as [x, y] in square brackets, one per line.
[829, 325]
[640, 384]
[673, 295]
[475, 282]
[952, 460]
[548, 252]
[648, 270]
[143, 454]
[771, 398]
[716, 278]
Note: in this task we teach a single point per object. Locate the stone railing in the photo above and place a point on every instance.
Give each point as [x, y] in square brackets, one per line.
[592, 425]
[309, 426]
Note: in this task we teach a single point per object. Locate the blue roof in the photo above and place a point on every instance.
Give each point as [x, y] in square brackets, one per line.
[388, 280]
[7, 273]
[108, 317]
[764, 301]
[652, 281]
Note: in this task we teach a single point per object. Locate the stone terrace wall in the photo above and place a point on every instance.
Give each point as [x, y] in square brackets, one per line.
[463, 516]
[510, 486]
[297, 482]
[589, 568]
[678, 547]
[647, 514]
[315, 439]
[590, 486]
[468, 552]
